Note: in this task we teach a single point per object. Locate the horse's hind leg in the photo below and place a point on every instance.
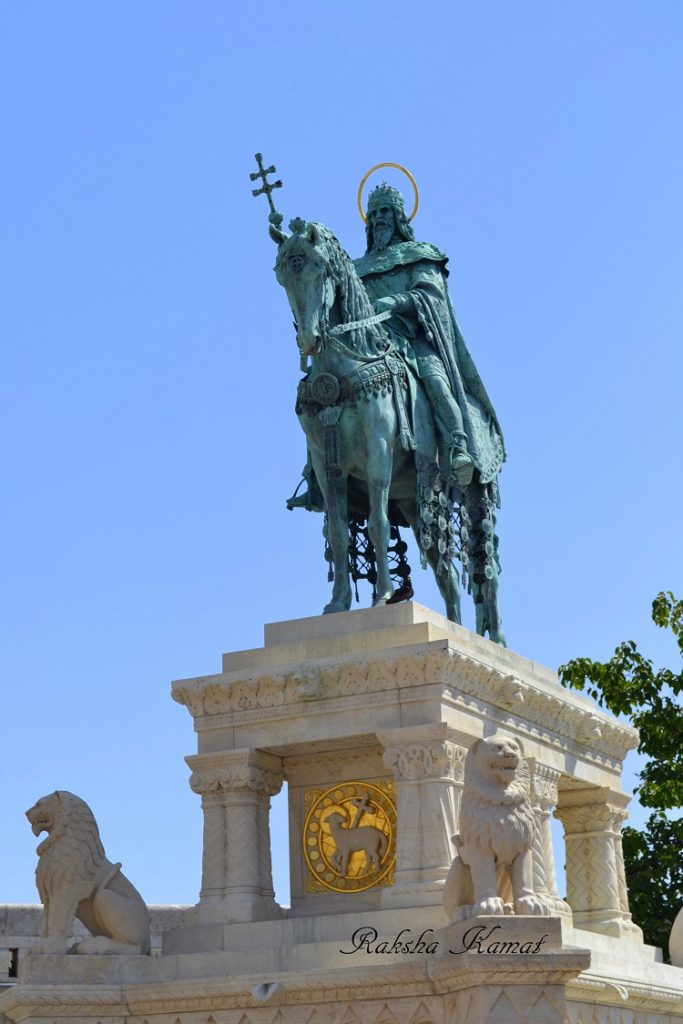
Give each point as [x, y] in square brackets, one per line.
[447, 582]
[379, 533]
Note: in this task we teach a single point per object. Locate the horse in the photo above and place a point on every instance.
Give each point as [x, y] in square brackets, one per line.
[368, 424]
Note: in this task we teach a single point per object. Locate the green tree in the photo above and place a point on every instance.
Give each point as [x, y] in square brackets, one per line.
[628, 684]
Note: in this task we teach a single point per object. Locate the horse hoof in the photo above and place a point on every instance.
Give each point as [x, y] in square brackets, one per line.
[404, 593]
[496, 636]
[384, 599]
[336, 606]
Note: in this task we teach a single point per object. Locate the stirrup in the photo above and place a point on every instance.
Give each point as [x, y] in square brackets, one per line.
[298, 500]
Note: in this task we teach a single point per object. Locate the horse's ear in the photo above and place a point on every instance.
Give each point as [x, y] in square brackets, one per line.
[312, 234]
[277, 235]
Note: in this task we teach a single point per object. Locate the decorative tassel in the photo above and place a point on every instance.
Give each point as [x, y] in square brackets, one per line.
[330, 421]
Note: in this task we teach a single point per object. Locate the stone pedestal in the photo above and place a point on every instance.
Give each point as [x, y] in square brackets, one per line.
[388, 699]
[513, 970]
[368, 715]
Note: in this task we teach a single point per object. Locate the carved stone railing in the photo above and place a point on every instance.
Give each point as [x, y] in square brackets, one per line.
[236, 788]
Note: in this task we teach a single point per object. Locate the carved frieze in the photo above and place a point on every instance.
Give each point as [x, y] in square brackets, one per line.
[461, 676]
[329, 767]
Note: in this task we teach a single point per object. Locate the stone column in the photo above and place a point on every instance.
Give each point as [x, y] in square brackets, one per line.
[236, 788]
[428, 768]
[544, 798]
[596, 883]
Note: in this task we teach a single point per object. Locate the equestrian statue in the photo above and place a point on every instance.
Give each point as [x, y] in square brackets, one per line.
[399, 427]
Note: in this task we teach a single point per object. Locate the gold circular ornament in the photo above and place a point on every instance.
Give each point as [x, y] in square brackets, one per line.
[399, 167]
[349, 837]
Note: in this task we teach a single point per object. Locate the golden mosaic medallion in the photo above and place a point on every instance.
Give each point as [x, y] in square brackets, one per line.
[349, 836]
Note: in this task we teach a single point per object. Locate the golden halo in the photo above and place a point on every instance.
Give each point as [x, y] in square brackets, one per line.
[399, 167]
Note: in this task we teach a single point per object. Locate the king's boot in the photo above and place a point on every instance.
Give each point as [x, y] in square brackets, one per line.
[462, 466]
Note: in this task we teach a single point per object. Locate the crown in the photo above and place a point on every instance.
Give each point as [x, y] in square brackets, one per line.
[385, 193]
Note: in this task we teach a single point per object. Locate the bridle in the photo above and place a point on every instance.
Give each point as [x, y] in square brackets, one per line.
[332, 335]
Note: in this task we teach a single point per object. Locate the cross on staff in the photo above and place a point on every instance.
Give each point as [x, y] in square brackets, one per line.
[362, 805]
[275, 217]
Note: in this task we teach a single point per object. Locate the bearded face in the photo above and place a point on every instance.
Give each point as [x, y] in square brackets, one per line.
[383, 223]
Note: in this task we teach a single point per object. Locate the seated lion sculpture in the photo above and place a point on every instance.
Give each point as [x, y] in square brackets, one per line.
[493, 872]
[75, 879]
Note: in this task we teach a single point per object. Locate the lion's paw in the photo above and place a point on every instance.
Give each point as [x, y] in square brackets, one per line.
[531, 905]
[97, 945]
[493, 906]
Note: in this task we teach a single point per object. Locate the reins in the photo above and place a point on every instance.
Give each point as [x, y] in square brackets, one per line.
[334, 341]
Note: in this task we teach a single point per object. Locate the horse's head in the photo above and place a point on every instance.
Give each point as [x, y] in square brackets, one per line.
[304, 271]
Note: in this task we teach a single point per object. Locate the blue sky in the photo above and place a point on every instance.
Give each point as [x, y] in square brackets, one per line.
[149, 364]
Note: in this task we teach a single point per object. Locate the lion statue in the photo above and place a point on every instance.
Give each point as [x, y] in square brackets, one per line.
[493, 871]
[75, 879]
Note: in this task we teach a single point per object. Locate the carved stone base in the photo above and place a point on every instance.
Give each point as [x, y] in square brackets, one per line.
[414, 894]
[510, 933]
[389, 972]
[609, 924]
[508, 1004]
[386, 700]
[400, 967]
[236, 907]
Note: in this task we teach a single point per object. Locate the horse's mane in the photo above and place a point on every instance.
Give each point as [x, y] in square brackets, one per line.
[353, 299]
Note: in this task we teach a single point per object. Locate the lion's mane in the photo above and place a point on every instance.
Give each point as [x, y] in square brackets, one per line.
[73, 853]
[493, 815]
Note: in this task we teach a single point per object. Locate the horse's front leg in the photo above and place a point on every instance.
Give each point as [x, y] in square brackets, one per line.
[380, 432]
[379, 533]
[335, 493]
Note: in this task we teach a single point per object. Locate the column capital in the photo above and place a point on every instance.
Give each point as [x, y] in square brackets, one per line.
[423, 752]
[594, 809]
[245, 770]
[544, 781]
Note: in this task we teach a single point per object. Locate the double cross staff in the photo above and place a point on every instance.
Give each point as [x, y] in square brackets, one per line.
[275, 217]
